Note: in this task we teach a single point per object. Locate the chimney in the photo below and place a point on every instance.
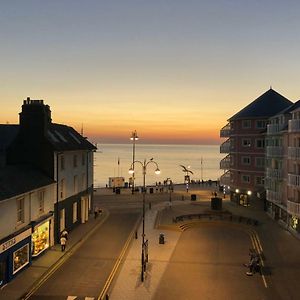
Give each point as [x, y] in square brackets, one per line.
[35, 117]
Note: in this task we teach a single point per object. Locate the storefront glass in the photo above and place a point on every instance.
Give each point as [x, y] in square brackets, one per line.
[295, 223]
[40, 239]
[20, 258]
[2, 272]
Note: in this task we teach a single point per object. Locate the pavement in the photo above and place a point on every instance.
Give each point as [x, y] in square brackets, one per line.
[283, 270]
[49, 261]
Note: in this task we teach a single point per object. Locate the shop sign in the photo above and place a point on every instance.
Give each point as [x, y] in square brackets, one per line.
[15, 240]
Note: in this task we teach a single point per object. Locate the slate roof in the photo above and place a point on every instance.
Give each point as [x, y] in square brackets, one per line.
[265, 106]
[63, 137]
[8, 132]
[18, 179]
[289, 109]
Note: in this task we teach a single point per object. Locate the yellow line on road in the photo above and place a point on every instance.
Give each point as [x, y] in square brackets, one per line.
[61, 261]
[116, 266]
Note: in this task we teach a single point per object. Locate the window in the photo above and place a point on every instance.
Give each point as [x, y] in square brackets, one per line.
[90, 157]
[20, 258]
[259, 180]
[62, 188]
[260, 162]
[246, 142]
[75, 161]
[83, 159]
[246, 124]
[41, 201]
[75, 215]
[260, 124]
[83, 181]
[246, 160]
[62, 162]
[75, 184]
[245, 178]
[260, 143]
[20, 210]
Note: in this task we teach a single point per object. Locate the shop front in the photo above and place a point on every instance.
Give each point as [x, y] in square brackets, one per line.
[14, 255]
[41, 236]
[295, 224]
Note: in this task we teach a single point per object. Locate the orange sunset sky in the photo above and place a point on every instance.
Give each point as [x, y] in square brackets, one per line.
[175, 71]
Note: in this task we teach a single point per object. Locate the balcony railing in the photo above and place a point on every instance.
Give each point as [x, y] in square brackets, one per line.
[293, 208]
[273, 196]
[294, 180]
[273, 128]
[225, 179]
[225, 163]
[274, 151]
[225, 147]
[293, 152]
[225, 131]
[294, 125]
[274, 173]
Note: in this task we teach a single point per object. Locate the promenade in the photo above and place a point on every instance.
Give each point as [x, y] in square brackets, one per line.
[280, 250]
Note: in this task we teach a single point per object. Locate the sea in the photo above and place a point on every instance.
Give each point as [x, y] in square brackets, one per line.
[114, 160]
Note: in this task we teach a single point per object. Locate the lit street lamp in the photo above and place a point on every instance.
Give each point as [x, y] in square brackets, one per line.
[144, 244]
[134, 137]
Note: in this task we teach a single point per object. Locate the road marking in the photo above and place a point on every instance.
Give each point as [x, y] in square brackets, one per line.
[119, 259]
[61, 261]
[71, 297]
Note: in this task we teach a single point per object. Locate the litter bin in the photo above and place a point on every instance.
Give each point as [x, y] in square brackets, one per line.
[161, 238]
[216, 203]
[118, 191]
[151, 190]
[193, 197]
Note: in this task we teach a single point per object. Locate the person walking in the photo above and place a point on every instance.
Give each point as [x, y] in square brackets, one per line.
[65, 234]
[63, 242]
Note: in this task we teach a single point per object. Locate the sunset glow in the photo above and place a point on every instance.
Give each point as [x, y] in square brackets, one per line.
[174, 71]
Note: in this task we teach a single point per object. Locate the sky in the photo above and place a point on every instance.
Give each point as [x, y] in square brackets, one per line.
[173, 70]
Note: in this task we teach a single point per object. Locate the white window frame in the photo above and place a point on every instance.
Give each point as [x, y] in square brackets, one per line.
[246, 143]
[75, 181]
[246, 124]
[20, 210]
[75, 212]
[243, 177]
[259, 158]
[62, 188]
[261, 127]
[263, 143]
[246, 163]
[262, 180]
[75, 161]
[27, 262]
[41, 201]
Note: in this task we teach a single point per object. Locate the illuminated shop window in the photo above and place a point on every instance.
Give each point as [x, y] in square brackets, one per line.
[20, 258]
[40, 239]
[294, 222]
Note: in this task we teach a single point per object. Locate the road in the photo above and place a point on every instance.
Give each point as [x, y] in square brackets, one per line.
[85, 272]
[207, 263]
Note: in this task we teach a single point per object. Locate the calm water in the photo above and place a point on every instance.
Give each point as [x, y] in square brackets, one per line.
[168, 157]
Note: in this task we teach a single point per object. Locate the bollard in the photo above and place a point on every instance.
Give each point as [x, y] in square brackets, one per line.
[136, 235]
[149, 205]
[182, 198]
[106, 297]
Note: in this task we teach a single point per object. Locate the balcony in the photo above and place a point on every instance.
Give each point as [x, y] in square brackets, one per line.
[225, 179]
[293, 208]
[276, 174]
[274, 151]
[225, 163]
[273, 196]
[294, 180]
[225, 131]
[273, 129]
[225, 147]
[293, 152]
[294, 125]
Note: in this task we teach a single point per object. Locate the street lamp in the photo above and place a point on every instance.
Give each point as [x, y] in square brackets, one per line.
[144, 165]
[134, 137]
[187, 176]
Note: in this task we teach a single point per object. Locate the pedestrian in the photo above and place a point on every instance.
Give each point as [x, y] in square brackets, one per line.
[215, 194]
[95, 212]
[64, 234]
[63, 242]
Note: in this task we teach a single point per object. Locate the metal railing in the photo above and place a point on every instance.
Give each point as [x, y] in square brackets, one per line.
[293, 208]
[293, 152]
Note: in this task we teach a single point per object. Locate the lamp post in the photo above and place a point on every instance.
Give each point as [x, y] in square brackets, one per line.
[144, 165]
[187, 176]
[134, 137]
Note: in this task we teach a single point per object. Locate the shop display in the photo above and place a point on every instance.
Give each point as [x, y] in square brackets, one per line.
[20, 258]
[40, 239]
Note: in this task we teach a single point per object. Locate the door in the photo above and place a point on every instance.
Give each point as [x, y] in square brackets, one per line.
[2, 272]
